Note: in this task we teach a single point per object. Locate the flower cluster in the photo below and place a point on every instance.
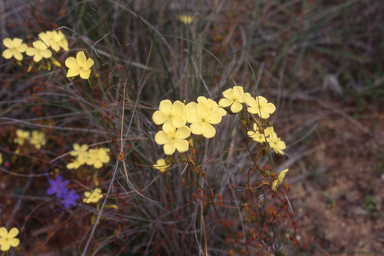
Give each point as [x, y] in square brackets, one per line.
[7, 239]
[37, 139]
[59, 187]
[174, 116]
[40, 49]
[267, 135]
[95, 157]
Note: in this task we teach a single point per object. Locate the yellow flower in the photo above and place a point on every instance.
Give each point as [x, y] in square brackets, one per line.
[212, 104]
[21, 136]
[161, 165]
[202, 119]
[186, 19]
[279, 179]
[79, 66]
[38, 139]
[52, 39]
[8, 239]
[97, 157]
[15, 48]
[174, 140]
[93, 197]
[275, 143]
[39, 51]
[234, 97]
[261, 107]
[170, 115]
[258, 136]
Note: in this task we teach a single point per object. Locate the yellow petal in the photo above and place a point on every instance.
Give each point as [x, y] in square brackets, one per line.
[81, 59]
[236, 107]
[14, 242]
[182, 146]
[192, 116]
[165, 106]
[214, 117]
[203, 107]
[73, 72]
[197, 128]
[225, 103]
[5, 247]
[270, 108]
[202, 99]
[18, 55]
[183, 132]
[168, 126]
[3, 232]
[8, 53]
[281, 175]
[85, 73]
[22, 48]
[37, 57]
[71, 63]
[169, 148]
[88, 64]
[179, 121]
[161, 138]
[178, 108]
[46, 53]
[31, 51]
[17, 42]
[8, 42]
[158, 118]
[209, 131]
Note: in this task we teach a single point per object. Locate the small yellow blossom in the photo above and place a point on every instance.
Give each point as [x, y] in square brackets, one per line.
[38, 139]
[38, 51]
[202, 119]
[97, 157]
[161, 165]
[261, 107]
[279, 179]
[8, 239]
[93, 196]
[52, 39]
[212, 104]
[15, 48]
[258, 136]
[275, 143]
[174, 140]
[170, 115]
[234, 97]
[21, 136]
[186, 19]
[79, 66]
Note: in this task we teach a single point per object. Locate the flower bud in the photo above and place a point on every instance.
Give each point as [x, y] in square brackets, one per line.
[270, 124]
[264, 151]
[183, 159]
[243, 122]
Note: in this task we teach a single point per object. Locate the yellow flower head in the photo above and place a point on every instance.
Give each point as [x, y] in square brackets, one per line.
[234, 97]
[15, 48]
[279, 179]
[93, 196]
[174, 140]
[275, 143]
[79, 66]
[202, 119]
[258, 136]
[38, 51]
[97, 157]
[21, 136]
[161, 165]
[52, 39]
[8, 239]
[38, 139]
[170, 115]
[261, 107]
[186, 19]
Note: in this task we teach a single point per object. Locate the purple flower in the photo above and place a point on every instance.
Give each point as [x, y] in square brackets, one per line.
[58, 187]
[70, 198]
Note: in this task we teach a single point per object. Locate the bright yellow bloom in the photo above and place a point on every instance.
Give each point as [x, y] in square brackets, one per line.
[170, 115]
[202, 119]
[39, 51]
[79, 66]
[15, 48]
[186, 19]
[38, 139]
[52, 39]
[212, 104]
[258, 136]
[97, 157]
[275, 143]
[8, 239]
[261, 107]
[21, 136]
[279, 179]
[174, 140]
[234, 97]
[161, 165]
[93, 197]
